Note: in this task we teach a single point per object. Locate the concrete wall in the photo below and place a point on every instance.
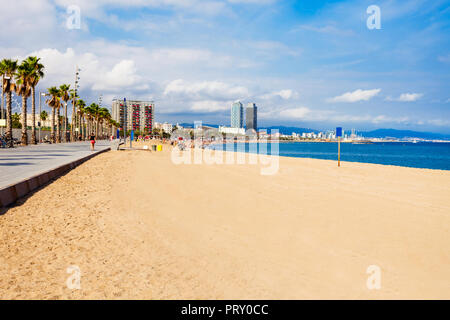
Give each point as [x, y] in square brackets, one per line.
[17, 133]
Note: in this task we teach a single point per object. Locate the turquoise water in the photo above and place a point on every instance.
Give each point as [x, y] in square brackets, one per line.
[416, 155]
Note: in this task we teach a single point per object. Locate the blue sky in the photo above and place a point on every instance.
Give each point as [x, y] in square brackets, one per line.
[305, 63]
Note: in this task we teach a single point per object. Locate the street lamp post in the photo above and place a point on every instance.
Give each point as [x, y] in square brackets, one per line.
[77, 78]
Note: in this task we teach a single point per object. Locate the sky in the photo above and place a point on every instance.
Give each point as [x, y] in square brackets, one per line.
[313, 64]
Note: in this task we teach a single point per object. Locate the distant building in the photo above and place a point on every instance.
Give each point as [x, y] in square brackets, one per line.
[237, 115]
[251, 118]
[234, 131]
[166, 127]
[134, 114]
[44, 123]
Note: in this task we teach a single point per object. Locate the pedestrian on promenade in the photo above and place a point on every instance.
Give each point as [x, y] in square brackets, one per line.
[92, 138]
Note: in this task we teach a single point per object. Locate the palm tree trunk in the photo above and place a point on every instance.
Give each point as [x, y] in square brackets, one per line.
[24, 121]
[8, 118]
[3, 105]
[84, 127]
[52, 132]
[33, 116]
[80, 126]
[65, 122]
[72, 127]
[58, 126]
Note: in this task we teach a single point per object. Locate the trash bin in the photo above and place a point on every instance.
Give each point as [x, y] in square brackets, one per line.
[159, 147]
[154, 147]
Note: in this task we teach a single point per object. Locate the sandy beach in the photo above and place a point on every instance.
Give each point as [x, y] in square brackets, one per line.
[140, 227]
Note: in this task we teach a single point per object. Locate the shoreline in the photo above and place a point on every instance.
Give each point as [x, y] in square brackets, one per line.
[335, 160]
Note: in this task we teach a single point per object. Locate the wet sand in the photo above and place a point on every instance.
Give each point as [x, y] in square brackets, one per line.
[139, 226]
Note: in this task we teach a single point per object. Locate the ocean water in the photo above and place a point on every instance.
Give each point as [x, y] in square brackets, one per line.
[416, 155]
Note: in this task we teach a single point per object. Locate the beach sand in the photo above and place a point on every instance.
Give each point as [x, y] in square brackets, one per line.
[138, 226]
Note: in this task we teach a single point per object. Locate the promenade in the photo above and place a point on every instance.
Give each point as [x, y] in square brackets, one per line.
[23, 163]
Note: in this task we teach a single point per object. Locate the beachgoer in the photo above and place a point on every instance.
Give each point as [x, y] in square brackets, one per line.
[92, 138]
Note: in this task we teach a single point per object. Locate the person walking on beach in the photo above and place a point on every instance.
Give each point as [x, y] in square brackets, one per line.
[92, 138]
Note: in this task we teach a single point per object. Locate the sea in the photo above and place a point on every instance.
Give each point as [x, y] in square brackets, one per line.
[429, 155]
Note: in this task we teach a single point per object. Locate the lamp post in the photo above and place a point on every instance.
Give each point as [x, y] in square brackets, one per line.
[77, 79]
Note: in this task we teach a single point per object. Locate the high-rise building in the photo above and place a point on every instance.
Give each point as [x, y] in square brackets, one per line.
[135, 115]
[237, 115]
[251, 118]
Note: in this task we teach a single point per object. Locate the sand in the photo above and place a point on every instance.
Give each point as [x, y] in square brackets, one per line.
[140, 227]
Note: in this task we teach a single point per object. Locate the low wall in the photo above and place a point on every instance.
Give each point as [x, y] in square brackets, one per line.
[17, 134]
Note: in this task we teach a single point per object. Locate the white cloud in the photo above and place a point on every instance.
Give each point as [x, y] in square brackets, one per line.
[331, 116]
[123, 75]
[439, 122]
[210, 106]
[97, 74]
[408, 97]
[355, 96]
[295, 113]
[285, 94]
[211, 90]
[22, 20]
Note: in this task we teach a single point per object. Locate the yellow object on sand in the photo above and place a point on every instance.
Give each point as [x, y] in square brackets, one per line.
[159, 147]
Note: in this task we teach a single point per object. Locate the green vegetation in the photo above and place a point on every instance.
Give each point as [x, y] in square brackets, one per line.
[22, 80]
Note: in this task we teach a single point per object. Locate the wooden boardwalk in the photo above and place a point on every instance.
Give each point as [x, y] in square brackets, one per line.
[23, 169]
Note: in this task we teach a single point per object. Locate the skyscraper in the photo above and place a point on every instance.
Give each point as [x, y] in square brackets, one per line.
[237, 115]
[251, 119]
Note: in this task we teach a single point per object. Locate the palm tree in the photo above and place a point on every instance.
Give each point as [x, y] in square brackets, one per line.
[43, 116]
[8, 68]
[88, 111]
[36, 75]
[55, 103]
[104, 116]
[23, 88]
[94, 111]
[73, 97]
[65, 97]
[81, 112]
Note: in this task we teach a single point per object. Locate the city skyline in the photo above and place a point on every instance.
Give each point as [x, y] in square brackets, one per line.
[306, 64]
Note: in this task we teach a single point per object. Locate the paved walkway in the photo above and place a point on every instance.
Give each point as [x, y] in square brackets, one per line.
[22, 163]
